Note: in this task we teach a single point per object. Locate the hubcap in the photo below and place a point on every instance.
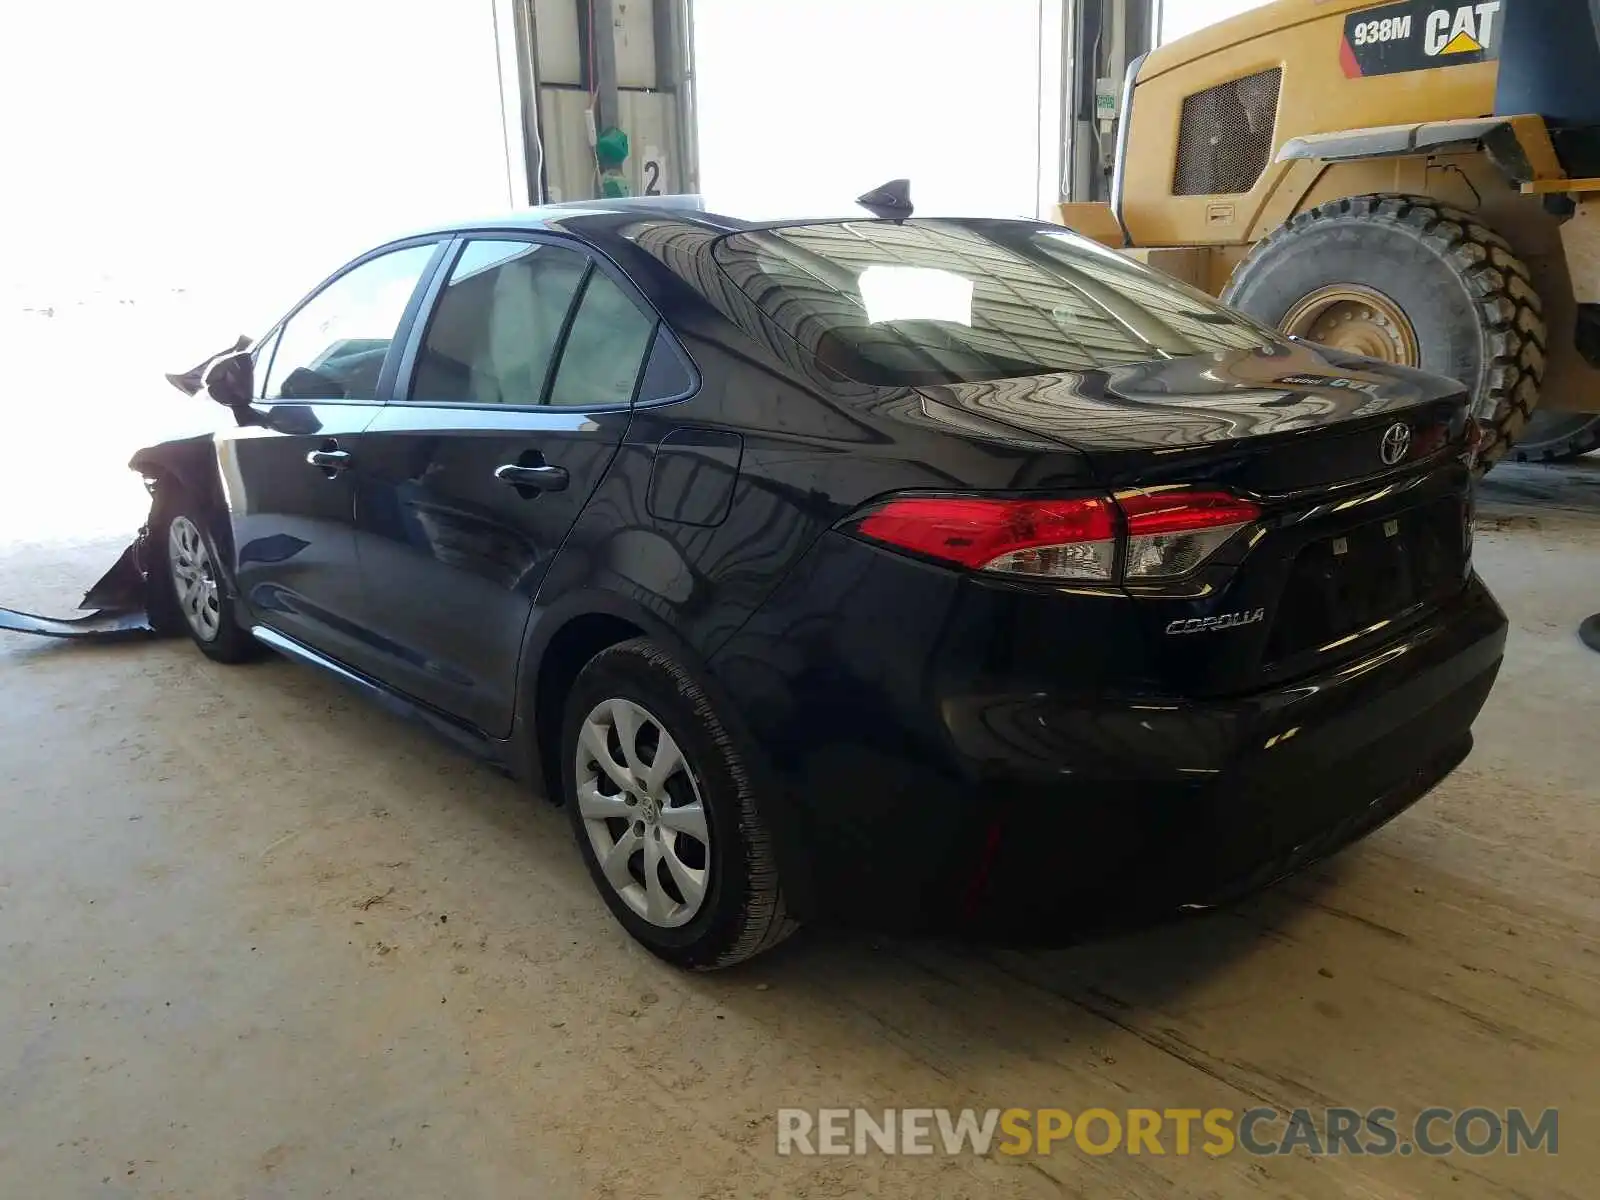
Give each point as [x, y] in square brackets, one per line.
[194, 579]
[641, 808]
[1361, 320]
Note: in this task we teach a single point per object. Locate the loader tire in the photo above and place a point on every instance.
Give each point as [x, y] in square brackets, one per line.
[1466, 301]
[1553, 437]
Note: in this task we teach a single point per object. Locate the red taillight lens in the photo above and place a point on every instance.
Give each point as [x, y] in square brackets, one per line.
[1171, 532]
[1051, 539]
[1168, 533]
[1180, 511]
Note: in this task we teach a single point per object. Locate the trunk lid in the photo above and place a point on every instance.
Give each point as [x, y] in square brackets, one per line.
[1361, 471]
[1281, 419]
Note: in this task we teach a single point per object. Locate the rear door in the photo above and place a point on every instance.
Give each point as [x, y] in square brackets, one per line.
[513, 399]
[290, 475]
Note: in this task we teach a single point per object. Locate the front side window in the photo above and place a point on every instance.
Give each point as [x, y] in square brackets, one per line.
[498, 324]
[930, 302]
[261, 360]
[333, 348]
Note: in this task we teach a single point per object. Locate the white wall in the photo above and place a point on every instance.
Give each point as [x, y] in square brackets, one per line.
[233, 147]
[180, 171]
[805, 104]
[1180, 17]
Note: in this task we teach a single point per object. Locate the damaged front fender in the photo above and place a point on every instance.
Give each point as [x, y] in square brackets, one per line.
[120, 603]
[98, 626]
[118, 606]
[119, 600]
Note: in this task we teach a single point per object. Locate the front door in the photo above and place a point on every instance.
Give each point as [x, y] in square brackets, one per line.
[517, 401]
[289, 475]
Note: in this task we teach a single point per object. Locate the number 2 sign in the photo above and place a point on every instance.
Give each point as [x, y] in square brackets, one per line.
[653, 172]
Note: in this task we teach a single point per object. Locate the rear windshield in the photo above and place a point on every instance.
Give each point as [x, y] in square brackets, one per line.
[925, 302]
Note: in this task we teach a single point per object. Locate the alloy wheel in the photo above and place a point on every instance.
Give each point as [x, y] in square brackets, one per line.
[642, 810]
[194, 579]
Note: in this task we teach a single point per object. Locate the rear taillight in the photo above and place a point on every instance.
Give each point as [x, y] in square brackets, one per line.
[1051, 539]
[1160, 534]
[1170, 533]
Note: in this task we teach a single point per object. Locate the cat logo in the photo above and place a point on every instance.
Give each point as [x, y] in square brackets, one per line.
[1419, 35]
[1465, 30]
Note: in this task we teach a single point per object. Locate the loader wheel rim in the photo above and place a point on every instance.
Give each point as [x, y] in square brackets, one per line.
[1360, 320]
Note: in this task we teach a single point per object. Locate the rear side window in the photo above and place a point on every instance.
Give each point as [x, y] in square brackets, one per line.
[928, 302]
[605, 348]
[666, 373]
[498, 324]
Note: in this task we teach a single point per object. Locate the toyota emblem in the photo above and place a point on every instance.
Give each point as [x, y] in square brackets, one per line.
[1396, 441]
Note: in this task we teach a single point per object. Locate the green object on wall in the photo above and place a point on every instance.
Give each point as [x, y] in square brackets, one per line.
[611, 149]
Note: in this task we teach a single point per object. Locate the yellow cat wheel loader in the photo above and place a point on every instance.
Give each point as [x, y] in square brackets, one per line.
[1416, 181]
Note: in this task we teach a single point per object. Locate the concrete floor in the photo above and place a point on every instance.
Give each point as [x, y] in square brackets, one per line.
[260, 939]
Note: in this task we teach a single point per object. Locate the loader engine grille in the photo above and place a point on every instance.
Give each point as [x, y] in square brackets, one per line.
[1225, 135]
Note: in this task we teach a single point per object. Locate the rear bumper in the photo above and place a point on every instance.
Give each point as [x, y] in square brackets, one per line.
[919, 803]
[1196, 804]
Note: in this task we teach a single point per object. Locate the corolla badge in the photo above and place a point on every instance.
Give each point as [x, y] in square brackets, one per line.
[1217, 623]
[1396, 441]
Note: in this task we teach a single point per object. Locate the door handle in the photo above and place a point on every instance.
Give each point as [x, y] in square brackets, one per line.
[331, 461]
[538, 479]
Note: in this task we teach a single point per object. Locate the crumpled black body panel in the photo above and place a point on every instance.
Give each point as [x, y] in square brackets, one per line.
[118, 601]
[117, 605]
[102, 626]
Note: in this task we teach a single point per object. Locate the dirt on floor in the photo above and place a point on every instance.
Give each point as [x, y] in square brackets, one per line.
[261, 939]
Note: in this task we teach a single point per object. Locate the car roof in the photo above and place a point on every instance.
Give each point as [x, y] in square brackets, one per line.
[573, 215]
[583, 218]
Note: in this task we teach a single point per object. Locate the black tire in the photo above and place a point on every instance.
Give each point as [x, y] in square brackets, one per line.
[742, 913]
[227, 641]
[1589, 632]
[1467, 295]
[1557, 437]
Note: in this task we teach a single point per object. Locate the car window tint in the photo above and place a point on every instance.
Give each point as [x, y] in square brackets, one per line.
[605, 348]
[334, 347]
[497, 324]
[927, 302]
[666, 372]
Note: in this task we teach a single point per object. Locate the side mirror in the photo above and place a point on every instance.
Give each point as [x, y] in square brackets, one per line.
[230, 379]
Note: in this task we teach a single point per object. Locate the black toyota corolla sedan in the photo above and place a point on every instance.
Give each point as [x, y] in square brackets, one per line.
[937, 573]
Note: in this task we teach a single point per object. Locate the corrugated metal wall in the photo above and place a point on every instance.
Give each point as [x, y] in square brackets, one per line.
[651, 97]
[652, 128]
